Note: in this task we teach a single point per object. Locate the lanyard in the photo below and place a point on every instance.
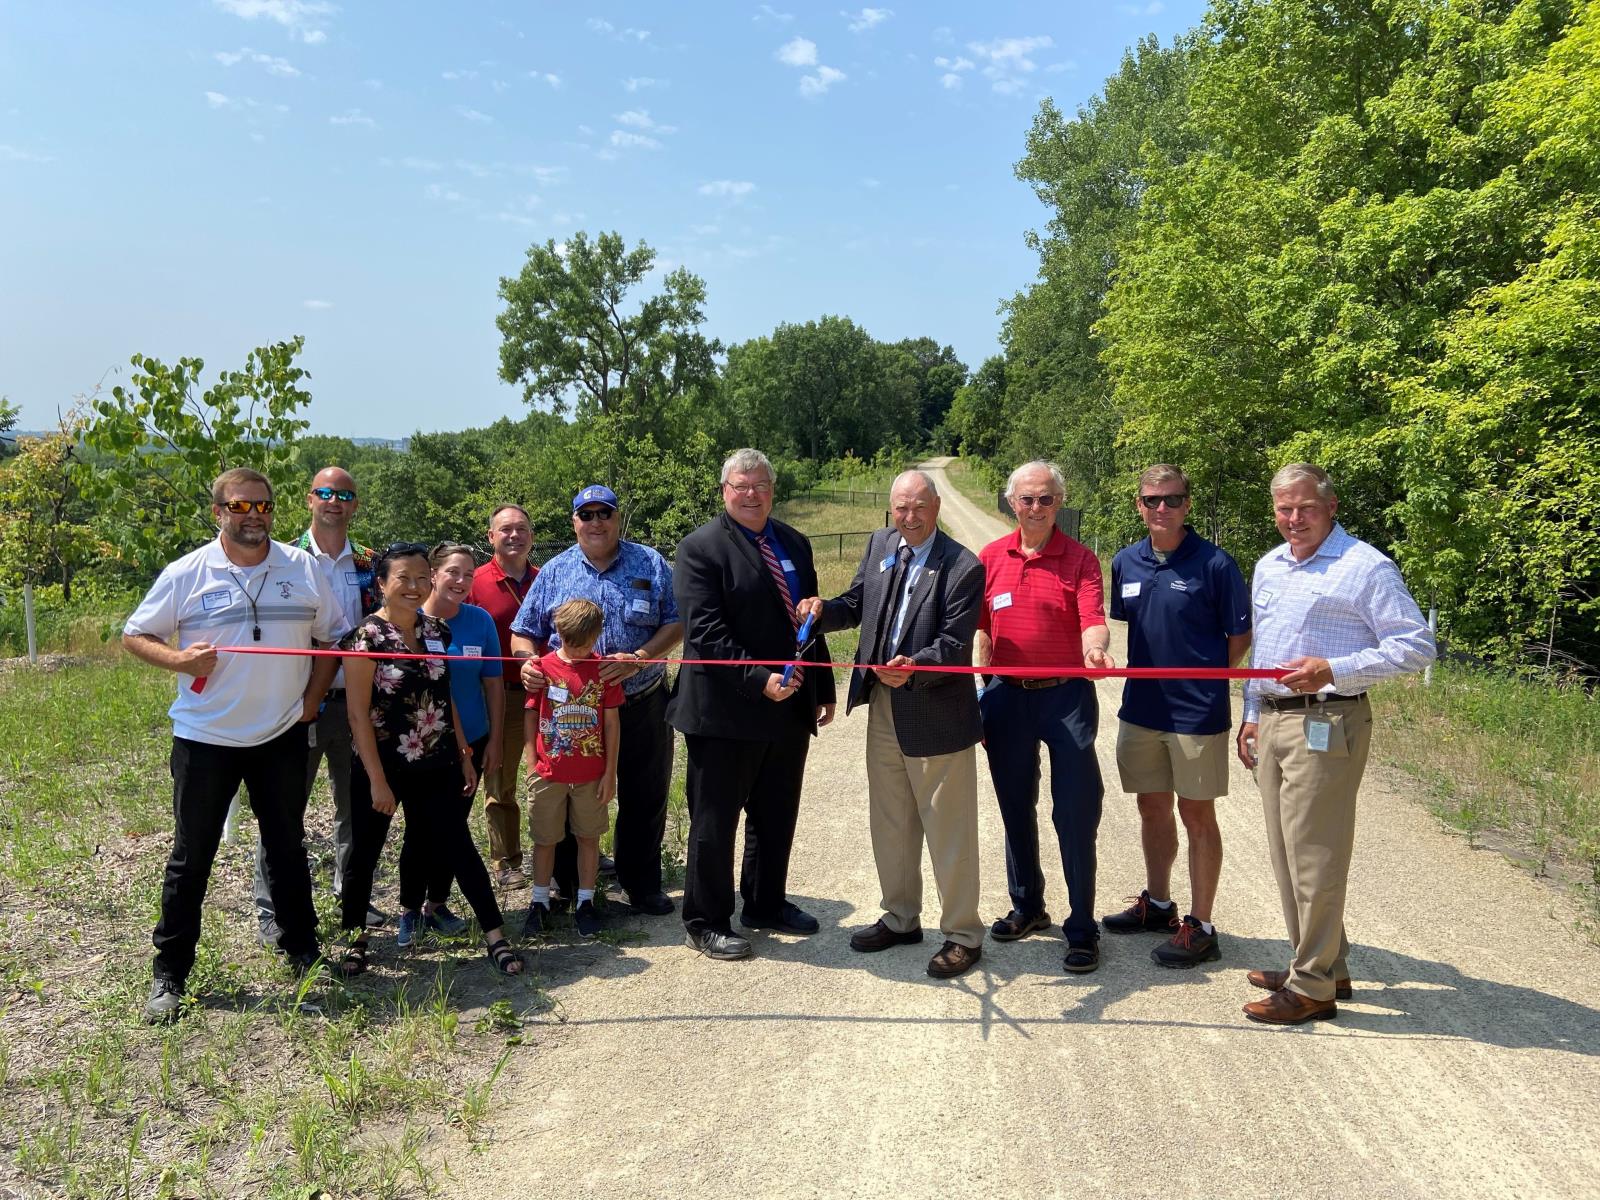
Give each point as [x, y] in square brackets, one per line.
[255, 618]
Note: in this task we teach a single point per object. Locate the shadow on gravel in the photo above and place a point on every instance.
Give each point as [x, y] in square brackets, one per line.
[1396, 995]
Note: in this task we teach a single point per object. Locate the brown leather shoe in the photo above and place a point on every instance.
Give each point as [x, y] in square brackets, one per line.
[1284, 1007]
[879, 936]
[1273, 981]
[953, 959]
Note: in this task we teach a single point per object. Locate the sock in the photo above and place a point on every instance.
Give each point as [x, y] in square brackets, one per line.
[1161, 904]
[585, 895]
[541, 895]
[1207, 926]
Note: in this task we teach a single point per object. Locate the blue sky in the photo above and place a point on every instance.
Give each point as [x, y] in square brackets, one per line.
[203, 177]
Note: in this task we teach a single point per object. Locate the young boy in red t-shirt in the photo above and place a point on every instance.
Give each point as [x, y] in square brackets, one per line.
[573, 729]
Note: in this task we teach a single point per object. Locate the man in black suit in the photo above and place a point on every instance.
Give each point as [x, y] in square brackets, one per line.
[736, 580]
[916, 597]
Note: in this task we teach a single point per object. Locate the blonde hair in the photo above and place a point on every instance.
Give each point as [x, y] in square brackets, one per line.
[579, 622]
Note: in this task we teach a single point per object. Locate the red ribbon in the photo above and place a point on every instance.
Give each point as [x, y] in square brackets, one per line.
[1027, 672]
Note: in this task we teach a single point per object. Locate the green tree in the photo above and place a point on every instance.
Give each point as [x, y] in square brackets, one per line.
[39, 539]
[568, 330]
[158, 445]
[940, 374]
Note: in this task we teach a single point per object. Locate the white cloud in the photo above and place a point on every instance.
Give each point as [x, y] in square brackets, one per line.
[598, 25]
[1154, 9]
[772, 14]
[736, 189]
[624, 140]
[548, 77]
[544, 176]
[500, 86]
[954, 64]
[13, 154]
[1008, 61]
[867, 18]
[639, 118]
[1070, 64]
[473, 114]
[705, 230]
[303, 19]
[867, 181]
[801, 52]
[316, 305]
[475, 169]
[818, 84]
[218, 100]
[412, 163]
[272, 64]
[456, 75]
[375, 84]
[950, 81]
[353, 116]
[639, 82]
[444, 193]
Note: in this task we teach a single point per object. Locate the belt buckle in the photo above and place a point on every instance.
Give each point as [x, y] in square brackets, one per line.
[1033, 685]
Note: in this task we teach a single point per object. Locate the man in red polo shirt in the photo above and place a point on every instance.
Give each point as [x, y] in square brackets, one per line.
[498, 587]
[1044, 605]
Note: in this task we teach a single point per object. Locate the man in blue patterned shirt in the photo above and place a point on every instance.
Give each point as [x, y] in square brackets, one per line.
[632, 584]
[1335, 612]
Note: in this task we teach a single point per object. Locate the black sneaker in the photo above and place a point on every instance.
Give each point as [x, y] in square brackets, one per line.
[608, 865]
[587, 920]
[714, 943]
[166, 1001]
[1190, 946]
[537, 920]
[1142, 916]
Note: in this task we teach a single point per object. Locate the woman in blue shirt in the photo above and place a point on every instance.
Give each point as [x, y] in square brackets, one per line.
[475, 690]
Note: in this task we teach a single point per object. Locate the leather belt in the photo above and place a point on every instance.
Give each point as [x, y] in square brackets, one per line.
[1034, 684]
[1283, 703]
[648, 692]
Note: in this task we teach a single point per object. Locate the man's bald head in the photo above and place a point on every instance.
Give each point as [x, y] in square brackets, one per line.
[331, 515]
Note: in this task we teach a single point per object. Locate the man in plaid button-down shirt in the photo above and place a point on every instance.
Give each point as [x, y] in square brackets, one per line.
[1336, 613]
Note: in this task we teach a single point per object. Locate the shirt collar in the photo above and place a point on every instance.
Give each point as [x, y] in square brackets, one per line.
[217, 557]
[317, 551]
[494, 565]
[1333, 546]
[919, 554]
[1147, 550]
[1054, 545]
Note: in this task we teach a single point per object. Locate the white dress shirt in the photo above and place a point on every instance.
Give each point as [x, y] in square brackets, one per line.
[1346, 603]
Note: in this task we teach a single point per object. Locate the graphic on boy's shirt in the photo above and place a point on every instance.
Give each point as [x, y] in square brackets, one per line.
[573, 726]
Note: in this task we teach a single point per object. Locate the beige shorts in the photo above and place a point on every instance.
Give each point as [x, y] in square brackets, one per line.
[1194, 765]
[549, 803]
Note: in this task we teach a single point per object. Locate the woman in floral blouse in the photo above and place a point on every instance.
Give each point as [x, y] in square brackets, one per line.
[411, 753]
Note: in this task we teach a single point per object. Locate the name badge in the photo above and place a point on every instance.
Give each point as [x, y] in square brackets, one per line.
[472, 652]
[353, 578]
[1003, 600]
[886, 564]
[212, 601]
[641, 606]
[1130, 590]
[1318, 730]
[786, 564]
[1263, 598]
[557, 693]
[434, 645]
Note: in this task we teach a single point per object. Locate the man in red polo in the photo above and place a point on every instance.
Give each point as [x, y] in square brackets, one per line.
[498, 587]
[1044, 606]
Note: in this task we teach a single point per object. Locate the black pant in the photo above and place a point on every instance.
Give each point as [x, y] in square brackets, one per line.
[725, 776]
[204, 780]
[436, 833]
[443, 871]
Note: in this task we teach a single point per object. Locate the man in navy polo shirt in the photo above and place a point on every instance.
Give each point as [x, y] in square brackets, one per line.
[1186, 605]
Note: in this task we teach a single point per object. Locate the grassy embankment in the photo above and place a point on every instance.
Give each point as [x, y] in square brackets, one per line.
[266, 1086]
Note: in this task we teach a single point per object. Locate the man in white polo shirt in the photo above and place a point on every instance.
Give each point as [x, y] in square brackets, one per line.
[238, 718]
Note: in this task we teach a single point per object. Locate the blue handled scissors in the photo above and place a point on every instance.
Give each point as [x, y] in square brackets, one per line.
[802, 640]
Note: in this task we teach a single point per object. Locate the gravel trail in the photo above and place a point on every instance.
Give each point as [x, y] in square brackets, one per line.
[1468, 1063]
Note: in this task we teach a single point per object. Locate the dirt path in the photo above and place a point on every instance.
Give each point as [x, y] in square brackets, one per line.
[1468, 1063]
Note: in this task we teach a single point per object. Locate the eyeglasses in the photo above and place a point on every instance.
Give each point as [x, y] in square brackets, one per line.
[594, 514]
[240, 507]
[403, 549]
[750, 489]
[1169, 501]
[1045, 501]
[325, 493]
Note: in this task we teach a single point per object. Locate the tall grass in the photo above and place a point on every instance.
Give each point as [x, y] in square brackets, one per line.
[1515, 755]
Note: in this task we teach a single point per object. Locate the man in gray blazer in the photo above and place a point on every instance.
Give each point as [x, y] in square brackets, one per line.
[916, 598]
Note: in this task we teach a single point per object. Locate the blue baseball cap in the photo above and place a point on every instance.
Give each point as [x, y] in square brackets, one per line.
[595, 493]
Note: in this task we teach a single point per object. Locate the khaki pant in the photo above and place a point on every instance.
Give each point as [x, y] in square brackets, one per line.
[500, 808]
[1309, 799]
[913, 798]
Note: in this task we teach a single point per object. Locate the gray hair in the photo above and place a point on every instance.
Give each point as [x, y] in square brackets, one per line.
[747, 460]
[922, 477]
[1294, 473]
[1057, 480]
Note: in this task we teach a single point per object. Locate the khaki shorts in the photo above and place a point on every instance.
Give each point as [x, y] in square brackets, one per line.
[1194, 765]
[548, 805]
